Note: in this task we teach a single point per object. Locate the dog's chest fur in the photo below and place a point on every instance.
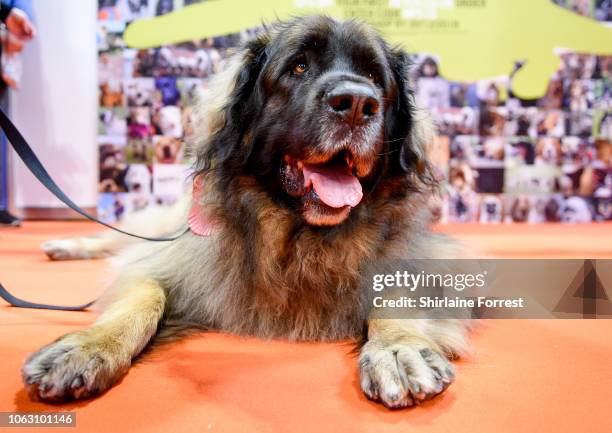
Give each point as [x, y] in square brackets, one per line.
[271, 281]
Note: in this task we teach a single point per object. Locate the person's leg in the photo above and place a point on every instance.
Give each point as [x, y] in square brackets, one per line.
[6, 219]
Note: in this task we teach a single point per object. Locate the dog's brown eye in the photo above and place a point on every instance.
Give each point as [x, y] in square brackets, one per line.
[373, 76]
[300, 68]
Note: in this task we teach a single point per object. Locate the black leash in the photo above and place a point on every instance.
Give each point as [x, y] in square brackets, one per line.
[29, 158]
[31, 161]
[16, 302]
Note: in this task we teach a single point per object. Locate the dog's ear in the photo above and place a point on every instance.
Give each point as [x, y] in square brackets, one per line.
[228, 111]
[410, 129]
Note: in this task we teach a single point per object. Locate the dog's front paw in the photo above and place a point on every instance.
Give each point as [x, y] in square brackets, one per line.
[76, 366]
[403, 374]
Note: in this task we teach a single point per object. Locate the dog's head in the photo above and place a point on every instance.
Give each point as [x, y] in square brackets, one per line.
[167, 149]
[168, 90]
[170, 121]
[576, 210]
[138, 179]
[548, 149]
[321, 116]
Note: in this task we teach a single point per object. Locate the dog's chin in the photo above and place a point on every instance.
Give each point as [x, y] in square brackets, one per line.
[317, 213]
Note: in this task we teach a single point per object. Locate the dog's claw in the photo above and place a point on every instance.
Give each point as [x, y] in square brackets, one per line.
[401, 375]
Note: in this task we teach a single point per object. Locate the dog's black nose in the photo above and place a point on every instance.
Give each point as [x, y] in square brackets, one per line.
[355, 102]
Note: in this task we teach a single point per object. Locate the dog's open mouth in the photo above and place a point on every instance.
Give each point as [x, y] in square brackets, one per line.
[328, 188]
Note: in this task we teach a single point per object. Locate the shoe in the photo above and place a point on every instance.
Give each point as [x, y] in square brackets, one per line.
[6, 219]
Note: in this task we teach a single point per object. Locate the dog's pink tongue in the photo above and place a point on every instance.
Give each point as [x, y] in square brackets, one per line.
[333, 185]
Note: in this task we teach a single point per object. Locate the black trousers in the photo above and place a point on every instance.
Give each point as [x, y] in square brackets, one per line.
[4, 103]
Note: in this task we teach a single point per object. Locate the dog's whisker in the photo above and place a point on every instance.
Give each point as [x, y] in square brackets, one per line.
[388, 153]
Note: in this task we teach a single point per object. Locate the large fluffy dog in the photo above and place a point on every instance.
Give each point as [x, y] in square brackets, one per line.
[312, 161]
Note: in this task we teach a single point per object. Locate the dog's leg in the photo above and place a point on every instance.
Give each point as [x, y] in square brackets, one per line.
[87, 362]
[407, 361]
[86, 247]
[154, 221]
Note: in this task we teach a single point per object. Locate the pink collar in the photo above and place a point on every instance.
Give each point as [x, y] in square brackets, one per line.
[200, 223]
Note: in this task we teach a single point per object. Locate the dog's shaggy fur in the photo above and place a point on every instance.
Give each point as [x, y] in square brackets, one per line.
[280, 263]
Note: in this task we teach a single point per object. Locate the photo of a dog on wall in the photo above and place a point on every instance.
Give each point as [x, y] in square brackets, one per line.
[112, 165]
[331, 158]
[139, 150]
[168, 150]
[491, 209]
[112, 121]
[111, 94]
[139, 92]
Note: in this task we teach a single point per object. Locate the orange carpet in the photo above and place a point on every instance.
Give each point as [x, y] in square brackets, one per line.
[539, 375]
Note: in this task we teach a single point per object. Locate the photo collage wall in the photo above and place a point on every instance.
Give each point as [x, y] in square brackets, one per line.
[503, 159]
[146, 100]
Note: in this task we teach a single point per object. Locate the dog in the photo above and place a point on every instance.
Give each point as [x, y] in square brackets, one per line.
[135, 9]
[168, 90]
[138, 179]
[310, 164]
[548, 151]
[164, 7]
[112, 169]
[139, 92]
[493, 148]
[491, 123]
[554, 95]
[113, 123]
[461, 187]
[551, 123]
[519, 208]
[169, 120]
[576, 210]
[167, 150]
[137, 148]
[139, 123]
[111, 95]
[490, 209]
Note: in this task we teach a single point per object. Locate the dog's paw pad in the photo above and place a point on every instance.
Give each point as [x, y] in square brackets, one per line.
[403, 375]
[66, 370]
